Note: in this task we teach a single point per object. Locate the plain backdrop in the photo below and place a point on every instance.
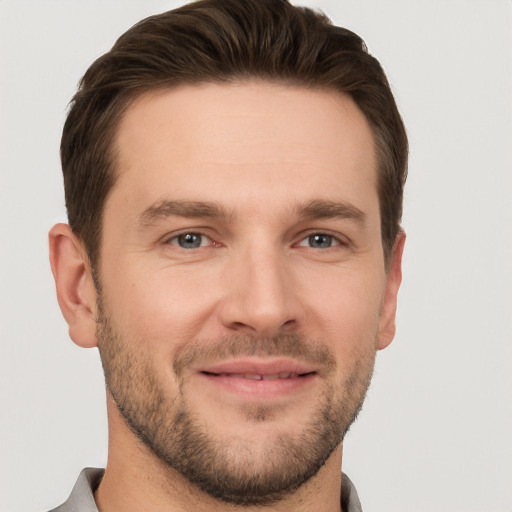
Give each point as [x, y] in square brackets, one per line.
[436, 431]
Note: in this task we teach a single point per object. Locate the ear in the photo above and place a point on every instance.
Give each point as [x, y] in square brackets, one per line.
[387, 325]
[76, 292]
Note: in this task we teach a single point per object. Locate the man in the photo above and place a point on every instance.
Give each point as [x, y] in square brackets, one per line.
[233, 175]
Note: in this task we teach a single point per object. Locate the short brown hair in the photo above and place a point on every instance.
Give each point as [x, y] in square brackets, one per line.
[224, 41]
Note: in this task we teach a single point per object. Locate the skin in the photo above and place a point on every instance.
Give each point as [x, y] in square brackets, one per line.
[260, 152]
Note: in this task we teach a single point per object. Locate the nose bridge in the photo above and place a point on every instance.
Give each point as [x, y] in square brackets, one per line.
[259, 297]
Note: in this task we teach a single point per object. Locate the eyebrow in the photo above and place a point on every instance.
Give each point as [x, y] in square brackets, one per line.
[187, 209]
[317, 209]
[322, 209]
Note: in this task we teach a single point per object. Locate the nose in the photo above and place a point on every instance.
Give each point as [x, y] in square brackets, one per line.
[260, 298]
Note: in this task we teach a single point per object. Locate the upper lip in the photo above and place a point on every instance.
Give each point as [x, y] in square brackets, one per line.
[258, 366]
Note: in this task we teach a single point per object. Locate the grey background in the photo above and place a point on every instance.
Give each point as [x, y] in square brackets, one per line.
[435, 433]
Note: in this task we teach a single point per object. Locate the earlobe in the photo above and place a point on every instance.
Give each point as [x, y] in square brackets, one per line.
[76, 292]
[387, 325]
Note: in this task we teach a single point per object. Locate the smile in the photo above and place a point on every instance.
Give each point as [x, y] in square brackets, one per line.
[258, 368]
[257, 378]
[252, 376]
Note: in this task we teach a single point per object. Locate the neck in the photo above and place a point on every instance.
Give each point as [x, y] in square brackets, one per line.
[135, 479]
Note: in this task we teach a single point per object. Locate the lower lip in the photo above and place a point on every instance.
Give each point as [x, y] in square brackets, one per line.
[260, 388]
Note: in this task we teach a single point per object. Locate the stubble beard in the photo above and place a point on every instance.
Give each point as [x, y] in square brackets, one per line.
[230, 471]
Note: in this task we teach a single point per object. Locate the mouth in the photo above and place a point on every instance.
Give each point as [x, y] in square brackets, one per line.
[259, 378]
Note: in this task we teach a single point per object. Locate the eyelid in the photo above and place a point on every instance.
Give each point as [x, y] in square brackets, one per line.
[340, 239]
[171, 238]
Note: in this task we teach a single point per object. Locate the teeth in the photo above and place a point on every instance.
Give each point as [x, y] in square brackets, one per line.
[271, 377]
[279, 376]
[252, 376]
[249, 376]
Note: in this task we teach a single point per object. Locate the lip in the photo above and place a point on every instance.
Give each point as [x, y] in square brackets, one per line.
[258, 366]
[259, 378]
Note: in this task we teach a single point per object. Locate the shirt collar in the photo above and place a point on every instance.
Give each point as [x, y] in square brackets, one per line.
[82, 496]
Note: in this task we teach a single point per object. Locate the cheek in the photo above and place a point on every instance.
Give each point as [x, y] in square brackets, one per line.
[167, 307]
[348, 311]
[159, 306]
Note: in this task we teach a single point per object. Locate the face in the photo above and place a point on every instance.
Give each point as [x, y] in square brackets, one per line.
[243, 287]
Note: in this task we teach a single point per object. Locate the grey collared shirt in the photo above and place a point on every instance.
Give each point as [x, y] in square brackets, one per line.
[81, 498]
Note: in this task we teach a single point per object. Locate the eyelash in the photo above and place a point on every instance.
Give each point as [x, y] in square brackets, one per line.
[174, 240]
[334, 240]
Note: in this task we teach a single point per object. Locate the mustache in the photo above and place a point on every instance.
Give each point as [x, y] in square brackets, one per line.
[290, 345]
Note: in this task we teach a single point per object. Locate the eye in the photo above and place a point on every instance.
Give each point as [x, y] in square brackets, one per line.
[319, 241]
[190, 240]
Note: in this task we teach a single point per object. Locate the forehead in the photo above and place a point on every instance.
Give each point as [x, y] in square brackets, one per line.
[244, 141]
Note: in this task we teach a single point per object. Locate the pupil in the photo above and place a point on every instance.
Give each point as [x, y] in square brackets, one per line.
[320, 241]
[189, 240]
